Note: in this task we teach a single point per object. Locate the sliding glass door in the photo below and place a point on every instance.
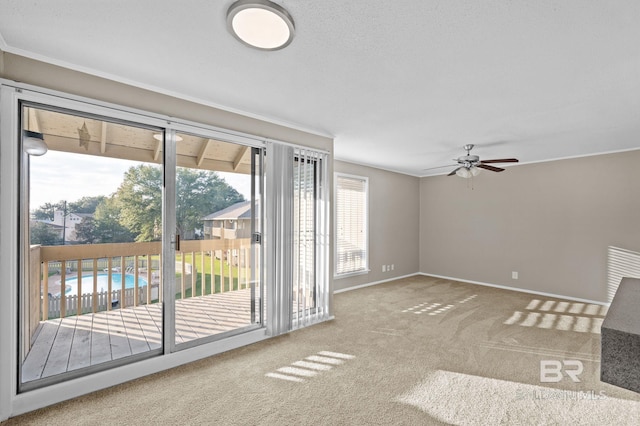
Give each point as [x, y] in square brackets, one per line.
[91, 197]
[135, 239]
[217, 258]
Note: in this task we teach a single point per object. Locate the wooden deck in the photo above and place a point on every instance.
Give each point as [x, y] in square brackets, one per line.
[80, 341]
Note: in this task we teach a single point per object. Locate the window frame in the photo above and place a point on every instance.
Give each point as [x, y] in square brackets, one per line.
[365, 269]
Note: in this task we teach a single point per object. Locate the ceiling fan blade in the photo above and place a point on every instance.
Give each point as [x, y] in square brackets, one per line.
[500, 160]
[487, 167]
[454, 172]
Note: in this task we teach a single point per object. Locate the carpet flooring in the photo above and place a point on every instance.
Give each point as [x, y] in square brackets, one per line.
[415, 351]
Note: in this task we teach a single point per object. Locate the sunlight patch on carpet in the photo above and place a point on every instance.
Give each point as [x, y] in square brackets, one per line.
[435, 308]
[311, 366]
[336, 355]
[426, 307]
[562, 316]
[325, 360]
[473, 296]
[285, 377]
[458, 398]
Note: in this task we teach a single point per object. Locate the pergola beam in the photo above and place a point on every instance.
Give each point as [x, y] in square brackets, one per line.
[103, 138]
[239, 157]
[203, 150]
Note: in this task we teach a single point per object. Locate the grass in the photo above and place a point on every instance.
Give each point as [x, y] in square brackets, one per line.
[230, 282]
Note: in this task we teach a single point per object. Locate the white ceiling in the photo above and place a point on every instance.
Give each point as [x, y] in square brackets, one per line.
[400, 85]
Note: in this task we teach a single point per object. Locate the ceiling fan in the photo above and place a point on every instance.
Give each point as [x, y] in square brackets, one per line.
[469, 165]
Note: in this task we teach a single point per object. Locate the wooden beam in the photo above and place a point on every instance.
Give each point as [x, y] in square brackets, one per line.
[33, 122]
[239, 157]
[203, 150]
[103, 138]
[156, 153]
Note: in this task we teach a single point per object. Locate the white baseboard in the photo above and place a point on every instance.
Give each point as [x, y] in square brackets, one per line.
[521, 290]
[342, 290]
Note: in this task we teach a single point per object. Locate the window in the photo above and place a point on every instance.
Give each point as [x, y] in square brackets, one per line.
[351, 213]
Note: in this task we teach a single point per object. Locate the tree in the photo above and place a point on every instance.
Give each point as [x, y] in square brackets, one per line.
[199, 193]
[140, 200]
[86, 231]
[107, 226]
[86, 204]
[46, 211]
[42, 234]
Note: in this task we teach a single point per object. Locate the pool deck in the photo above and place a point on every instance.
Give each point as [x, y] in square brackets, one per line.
[75, 342]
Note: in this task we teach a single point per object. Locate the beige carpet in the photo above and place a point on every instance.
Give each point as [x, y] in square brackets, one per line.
[415, 351]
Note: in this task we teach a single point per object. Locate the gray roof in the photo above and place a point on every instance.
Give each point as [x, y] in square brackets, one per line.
[49, 224]
[241, 210]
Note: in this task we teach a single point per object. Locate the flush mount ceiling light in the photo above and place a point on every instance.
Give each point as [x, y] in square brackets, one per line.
[260, 24]
[33, 143]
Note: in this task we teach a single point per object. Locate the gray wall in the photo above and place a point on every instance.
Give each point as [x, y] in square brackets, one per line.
[25, 70]
[551, 222]
[394, 209]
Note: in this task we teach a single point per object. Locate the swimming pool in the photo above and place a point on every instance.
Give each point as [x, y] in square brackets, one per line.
[71, 284]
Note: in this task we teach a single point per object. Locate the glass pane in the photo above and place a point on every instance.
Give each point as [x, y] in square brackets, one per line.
[90, 292]
[215, 277]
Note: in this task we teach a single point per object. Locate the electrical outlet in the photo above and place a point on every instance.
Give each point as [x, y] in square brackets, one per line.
[393, 266]
[514, 275]
[384, 268]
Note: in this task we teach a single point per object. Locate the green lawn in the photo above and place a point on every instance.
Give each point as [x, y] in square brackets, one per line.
[208, 275]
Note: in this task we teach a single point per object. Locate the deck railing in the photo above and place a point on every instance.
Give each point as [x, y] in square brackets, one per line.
[202, 267]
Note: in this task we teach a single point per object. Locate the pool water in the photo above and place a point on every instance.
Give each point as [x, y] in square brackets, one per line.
[71, 284]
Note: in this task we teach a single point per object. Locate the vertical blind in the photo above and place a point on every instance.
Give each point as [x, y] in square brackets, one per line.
[298, 239]
[351, 224]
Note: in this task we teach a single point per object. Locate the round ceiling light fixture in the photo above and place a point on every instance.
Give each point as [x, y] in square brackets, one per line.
[260, 24]
[33, 143]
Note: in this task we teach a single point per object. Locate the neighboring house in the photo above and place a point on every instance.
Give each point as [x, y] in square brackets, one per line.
[231, 223]
[69, 223]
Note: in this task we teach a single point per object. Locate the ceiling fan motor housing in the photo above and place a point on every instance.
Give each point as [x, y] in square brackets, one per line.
[468, 159]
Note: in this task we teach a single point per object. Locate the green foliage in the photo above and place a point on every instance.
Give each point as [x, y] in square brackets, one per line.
[86, 231]
[198, 194]
[85, 204]
[42, 234]
[140, 200]
[134, 211]
[108, 227]
[46, 211]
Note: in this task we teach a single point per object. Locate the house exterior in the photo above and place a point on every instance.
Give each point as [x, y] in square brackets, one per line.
[231, 223]
[68, 223]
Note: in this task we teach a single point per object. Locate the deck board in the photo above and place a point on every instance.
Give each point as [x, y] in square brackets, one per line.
[37, 358]
[118, 341]
[80, 355]
[91, 339]
[100, 339]
[58, 360]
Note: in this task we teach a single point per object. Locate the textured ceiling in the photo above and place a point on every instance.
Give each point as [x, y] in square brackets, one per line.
[400, 85]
